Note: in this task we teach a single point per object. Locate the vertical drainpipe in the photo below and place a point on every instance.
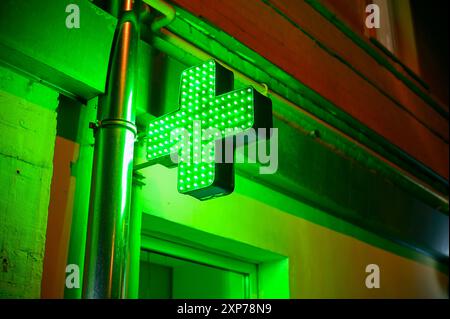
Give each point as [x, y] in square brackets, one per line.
[109, 210]
[134, 244]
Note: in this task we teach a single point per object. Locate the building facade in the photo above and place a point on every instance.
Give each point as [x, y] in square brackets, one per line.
[357, 203]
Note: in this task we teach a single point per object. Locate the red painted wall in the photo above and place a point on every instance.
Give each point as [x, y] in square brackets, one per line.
[366, 90]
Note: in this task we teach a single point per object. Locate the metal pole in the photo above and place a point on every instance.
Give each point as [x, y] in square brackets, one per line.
[135, 237]
[109, 211]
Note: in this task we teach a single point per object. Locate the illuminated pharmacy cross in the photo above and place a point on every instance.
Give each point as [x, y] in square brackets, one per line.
[206, 102]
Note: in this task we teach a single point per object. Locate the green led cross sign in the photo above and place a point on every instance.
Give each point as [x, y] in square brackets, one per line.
[207, 102]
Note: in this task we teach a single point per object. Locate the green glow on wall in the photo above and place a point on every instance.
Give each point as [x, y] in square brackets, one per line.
[207, 104]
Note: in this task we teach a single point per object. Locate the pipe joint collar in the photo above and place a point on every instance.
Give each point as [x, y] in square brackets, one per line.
[118, 122]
